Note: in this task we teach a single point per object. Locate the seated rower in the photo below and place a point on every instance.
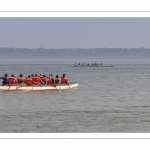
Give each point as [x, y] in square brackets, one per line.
[20, 79]
[64, 79]
[57, 79]
[32, 75]
[44, 79]
[5, 79]
[12, 79]
[50, 79]
[40, 75]
[29, 80]
[36, 79]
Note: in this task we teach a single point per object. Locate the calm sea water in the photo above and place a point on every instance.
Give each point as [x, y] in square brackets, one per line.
[113, 99]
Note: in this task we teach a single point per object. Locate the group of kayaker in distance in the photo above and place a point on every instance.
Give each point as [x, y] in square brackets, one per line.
[83, 64]
[33, 79]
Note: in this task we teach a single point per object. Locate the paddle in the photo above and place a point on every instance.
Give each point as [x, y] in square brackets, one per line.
[43, 83]
[9, 87]
[21, 84]
[68, 84]
[53, 85]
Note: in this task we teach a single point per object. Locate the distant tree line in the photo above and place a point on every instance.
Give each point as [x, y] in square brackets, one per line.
[73, 52]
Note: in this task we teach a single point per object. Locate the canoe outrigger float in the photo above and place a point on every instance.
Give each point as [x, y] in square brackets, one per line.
[40, 87]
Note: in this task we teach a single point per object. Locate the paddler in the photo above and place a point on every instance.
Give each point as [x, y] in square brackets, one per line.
[44, 79]
[5, 79]
[12, 79]
[20, 79]
[36, 79]
[32, 75]
[57, 79]
[64, 79]
[40, 75]
[29, 80]
[50, 79]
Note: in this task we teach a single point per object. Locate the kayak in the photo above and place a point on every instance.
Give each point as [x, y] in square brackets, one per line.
[60, 86]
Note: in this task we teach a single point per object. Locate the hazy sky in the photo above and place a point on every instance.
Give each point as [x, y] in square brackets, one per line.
[74, 32]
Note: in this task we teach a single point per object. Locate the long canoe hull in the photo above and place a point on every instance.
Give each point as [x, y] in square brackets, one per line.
[92, 66]
[40, 87]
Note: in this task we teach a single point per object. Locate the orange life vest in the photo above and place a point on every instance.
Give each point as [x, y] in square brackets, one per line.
[12, 80]
[57, 78]
[43, 78]
[28, 81]
[20, 79]
[36, 79]
[64, 79]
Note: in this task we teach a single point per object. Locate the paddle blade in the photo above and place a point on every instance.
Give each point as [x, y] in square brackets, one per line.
[53, 85]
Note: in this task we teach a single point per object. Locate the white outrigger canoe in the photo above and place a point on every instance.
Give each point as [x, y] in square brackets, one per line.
[40, 87]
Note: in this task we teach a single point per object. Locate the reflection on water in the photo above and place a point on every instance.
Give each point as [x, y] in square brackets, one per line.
[113, 99]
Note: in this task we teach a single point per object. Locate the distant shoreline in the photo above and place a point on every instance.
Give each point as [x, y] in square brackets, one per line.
[76, 54]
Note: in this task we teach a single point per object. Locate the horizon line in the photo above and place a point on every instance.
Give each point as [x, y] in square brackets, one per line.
[79, 48]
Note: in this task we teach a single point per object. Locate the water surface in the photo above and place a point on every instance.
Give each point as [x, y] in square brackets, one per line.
[109, 99]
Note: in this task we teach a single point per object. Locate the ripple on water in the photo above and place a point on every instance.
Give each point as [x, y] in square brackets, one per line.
[112, 99]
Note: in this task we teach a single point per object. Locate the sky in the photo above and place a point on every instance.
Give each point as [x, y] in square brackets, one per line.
[75, 32]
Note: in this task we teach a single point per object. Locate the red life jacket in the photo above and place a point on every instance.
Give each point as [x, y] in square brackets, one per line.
[64, 80]
[12, 80]
[36, 79]
[50, 81]
[28, 81]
